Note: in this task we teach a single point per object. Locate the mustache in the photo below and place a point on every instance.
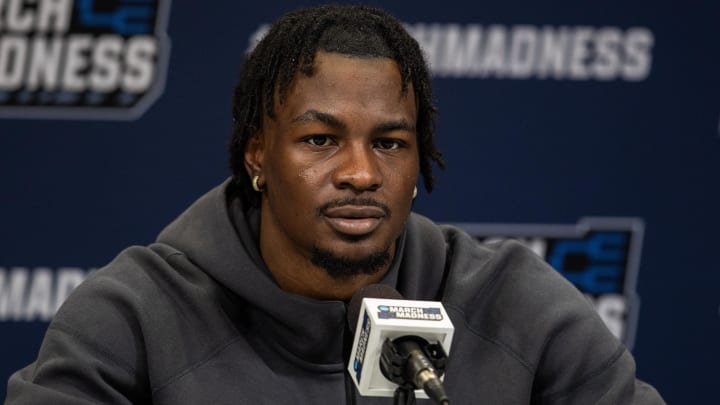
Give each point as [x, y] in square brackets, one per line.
[353, 201]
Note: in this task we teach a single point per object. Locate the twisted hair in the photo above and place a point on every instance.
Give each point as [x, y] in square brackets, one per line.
[290, 47]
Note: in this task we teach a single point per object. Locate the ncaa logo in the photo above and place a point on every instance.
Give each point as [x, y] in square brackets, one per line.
[600, 256]
[82, 59]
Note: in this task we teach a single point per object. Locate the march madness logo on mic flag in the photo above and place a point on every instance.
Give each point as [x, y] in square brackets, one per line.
[82, 59]
[600, 256]
[414, 313]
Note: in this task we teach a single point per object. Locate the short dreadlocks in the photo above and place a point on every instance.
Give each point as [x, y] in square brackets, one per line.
[290, 47]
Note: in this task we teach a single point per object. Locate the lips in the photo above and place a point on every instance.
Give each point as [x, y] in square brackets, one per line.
[353, 219]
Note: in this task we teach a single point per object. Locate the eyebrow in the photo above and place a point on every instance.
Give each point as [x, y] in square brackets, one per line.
[395, 125]
[325, 118]
[332, 121]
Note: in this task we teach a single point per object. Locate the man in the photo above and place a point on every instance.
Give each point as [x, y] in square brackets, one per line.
[243, 298]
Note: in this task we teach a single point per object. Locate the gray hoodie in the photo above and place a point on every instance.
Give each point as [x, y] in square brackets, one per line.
[196, 318]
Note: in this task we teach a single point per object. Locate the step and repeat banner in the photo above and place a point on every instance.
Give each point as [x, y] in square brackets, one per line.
[588, 130]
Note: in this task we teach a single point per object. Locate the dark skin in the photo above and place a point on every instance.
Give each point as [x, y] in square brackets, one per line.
[345, 133]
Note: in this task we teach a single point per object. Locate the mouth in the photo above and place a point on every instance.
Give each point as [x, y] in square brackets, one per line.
[354, 220]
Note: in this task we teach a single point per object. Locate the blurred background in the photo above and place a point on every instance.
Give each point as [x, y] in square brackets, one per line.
[570, 125]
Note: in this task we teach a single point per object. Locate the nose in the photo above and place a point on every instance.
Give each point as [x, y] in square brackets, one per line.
[358, 169]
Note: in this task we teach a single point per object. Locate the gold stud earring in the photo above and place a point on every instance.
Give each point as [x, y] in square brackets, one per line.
[414, 192]
[255, 184]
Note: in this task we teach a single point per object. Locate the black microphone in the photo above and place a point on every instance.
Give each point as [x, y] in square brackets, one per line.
[399, 345]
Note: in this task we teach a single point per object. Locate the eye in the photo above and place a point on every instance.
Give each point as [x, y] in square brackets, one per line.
[319, 140]
[388, 144]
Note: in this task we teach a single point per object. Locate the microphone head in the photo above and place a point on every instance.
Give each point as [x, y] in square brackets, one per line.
[370, 291]
[378, 314]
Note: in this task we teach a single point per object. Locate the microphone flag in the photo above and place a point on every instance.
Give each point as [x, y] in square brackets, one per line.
[381, 319]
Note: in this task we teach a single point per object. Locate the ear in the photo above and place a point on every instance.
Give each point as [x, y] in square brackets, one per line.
[254, 152]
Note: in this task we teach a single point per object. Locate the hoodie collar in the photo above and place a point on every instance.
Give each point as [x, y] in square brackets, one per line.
[221, 239]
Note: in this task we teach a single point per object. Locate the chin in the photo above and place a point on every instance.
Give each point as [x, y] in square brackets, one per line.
[343, 265]
[356, 249]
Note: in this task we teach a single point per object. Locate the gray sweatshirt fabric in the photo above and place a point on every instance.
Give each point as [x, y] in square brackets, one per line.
[196, 318]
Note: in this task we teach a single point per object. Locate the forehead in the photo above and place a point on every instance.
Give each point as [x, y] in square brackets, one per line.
[340, 81]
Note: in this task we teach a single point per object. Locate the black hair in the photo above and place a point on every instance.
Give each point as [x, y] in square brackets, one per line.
[290, 47]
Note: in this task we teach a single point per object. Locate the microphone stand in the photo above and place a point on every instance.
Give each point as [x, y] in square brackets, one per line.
[404, 395]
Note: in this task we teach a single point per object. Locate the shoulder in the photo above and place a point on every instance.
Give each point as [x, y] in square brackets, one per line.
[131, 280]
[505, 270]
[478, 273]
[508, 294]
[145, 303]
[108, 309]
[142, 287]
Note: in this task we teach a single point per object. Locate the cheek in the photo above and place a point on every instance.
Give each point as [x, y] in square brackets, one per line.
[295, 188]
[402, 185]
[404, 175]
[308, 175]
[308, 181]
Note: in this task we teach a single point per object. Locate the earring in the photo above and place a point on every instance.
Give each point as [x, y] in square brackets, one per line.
[255, 184]
[414, 192]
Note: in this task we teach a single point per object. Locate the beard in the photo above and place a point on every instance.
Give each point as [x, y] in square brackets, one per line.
[343, 268]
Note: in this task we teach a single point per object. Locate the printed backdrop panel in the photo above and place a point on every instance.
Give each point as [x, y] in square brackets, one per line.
[589, 130]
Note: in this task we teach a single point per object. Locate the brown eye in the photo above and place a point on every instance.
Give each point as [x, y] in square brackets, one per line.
[388, 144]
[319, 140]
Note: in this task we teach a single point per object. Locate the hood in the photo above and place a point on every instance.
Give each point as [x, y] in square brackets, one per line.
[220, 238]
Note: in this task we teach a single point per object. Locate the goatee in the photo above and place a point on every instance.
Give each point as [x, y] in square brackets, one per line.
[340, 268]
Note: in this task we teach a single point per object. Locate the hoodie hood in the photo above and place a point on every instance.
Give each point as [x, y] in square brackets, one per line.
[220, 238]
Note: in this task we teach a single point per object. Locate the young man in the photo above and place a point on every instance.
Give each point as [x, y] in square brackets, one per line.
[243, 298]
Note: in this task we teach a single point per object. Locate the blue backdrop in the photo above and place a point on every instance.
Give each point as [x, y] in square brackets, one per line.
[550, 112]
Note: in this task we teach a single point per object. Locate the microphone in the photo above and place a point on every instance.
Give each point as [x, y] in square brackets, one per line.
[399, 345]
